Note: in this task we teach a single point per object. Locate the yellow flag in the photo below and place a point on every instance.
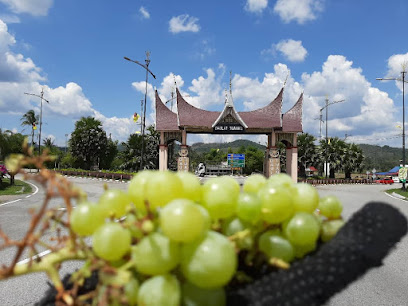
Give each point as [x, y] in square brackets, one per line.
[137, 132]
[329, 141]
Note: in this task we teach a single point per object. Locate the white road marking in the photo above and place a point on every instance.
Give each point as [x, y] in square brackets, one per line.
[36, 190]
[10, 202]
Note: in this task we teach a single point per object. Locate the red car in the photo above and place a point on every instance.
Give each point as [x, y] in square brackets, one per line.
[386, 180]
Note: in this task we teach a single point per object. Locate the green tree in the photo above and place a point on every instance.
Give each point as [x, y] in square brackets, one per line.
[30, 119]
[352, 160]
[88, 142]
[332, 151]
[48, 143]
[132, 151]
[307, 152]
[253, 160]
[111, 153]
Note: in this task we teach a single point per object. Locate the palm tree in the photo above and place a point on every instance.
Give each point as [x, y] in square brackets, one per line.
[307, 152]
[352, 160]
[30, 119]
[48, 142]
[335, 151]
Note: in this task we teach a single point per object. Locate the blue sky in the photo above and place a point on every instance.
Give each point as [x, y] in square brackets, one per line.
[74, 50]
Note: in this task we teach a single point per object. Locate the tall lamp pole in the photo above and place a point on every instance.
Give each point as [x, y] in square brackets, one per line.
[403, 72]
[42, 98]
[146, 67]
[327, 137]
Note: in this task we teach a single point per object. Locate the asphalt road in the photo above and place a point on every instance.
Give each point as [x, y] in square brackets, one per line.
[386, 285]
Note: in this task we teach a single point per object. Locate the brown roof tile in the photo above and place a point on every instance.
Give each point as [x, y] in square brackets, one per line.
[265, 117]
[193, 116]
[292, 119]
[166, 120]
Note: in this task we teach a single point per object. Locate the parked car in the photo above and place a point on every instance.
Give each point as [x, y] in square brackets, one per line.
[396, 179]
[386, 180]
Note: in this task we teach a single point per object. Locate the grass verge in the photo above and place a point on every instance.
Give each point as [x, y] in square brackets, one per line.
[398, 191]
[19, 187]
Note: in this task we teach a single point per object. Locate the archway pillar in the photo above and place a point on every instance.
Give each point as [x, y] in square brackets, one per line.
[272, 162]
[183, 161]
[163, 153]
[292, 159]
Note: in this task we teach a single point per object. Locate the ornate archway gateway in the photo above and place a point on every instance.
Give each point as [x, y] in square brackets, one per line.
[268, 120]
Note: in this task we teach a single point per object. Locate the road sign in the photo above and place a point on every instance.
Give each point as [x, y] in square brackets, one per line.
[236, 160]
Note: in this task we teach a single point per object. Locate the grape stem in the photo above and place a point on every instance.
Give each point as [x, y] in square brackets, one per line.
[49, 264]
[279, 263]
[240, 235]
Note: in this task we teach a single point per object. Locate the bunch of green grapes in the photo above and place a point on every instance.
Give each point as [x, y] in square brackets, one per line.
[172, 241]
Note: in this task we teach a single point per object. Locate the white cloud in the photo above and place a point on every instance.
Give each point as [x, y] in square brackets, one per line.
[10, 19]
[300, 11]
[184, 23]
[32, 7]
[256, 6]
[291, 49]
[366, 109]
[205, 49]
[144, 13]
[396, 64]
[14, 67]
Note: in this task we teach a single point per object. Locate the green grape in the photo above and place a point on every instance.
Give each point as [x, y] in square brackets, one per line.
[131, 291]
[137, 190]
[277, 204]
[249, 207]
[281, 179]
[156, 254]
[114, 202]
[220, 197]
[302, 229]
[182, 220]
[231, 182]
[234, 226]
[86, 218]
[191, 185]
[111, 241]
[196, 296]
[306, 198]
[160, 290]
[254, 183]
[207, 218]
[131, 224]
[274, 245]
[330, 207]
[163, 187]
[330, 229]
[302, 250]
[210, 262]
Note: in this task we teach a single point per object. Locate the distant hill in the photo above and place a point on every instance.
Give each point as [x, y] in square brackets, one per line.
[200, 147]
[382, 158]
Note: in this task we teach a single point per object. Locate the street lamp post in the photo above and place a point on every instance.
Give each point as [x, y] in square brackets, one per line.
[403, 72]
[327, 137]
[146, 67]
[42, 98]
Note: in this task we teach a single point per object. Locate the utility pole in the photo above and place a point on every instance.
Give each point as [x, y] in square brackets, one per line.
[327, 137]
[146, 67]
[42, 98]
[403, 72]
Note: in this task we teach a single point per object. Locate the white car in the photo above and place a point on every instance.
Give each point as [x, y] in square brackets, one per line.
[395, 179]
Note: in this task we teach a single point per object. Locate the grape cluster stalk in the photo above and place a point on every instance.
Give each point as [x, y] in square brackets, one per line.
[170, 240]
